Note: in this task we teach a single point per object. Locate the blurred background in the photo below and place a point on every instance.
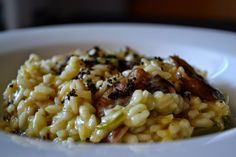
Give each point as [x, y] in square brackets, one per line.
[219, 14]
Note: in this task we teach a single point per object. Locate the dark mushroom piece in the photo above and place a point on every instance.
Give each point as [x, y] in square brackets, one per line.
[194, 83]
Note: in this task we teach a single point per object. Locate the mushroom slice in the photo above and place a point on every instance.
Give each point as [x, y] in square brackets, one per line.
[194, 83]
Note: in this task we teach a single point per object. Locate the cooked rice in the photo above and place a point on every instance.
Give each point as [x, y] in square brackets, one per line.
[53, 99]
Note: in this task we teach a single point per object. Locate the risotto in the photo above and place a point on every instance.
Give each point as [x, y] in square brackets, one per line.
[102, 96]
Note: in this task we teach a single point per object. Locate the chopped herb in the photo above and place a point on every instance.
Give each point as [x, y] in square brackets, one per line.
[158, 58]
[63, 101]
[94, 51]
[110, 56]
[91, 86]
[90, 63]
[72, 93]
[127, 51]
[122, 65]
[76, 77]
[9, 103]
[109, 81]
[82, 73]
[6, 118]
[136, 55]
[187, 95]
[61, 68]
[11, 85]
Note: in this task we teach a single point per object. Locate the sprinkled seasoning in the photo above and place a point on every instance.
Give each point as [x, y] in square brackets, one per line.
[61, 68]
[159, 58]
[90, 63]
[9, 103]
[82, 73]
[109, 81]
[110, 56]
[94, 51]
[71, 93]
[91, 86]
[76, 78]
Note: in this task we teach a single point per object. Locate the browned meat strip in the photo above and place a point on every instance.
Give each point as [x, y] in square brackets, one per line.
[116, 135]
[194, 83]
[158, 83]
[120, 93]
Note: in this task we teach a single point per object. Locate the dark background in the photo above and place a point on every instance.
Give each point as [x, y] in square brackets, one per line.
[218, 14]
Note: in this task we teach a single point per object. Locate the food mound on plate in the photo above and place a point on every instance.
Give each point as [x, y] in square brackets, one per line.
[103, 96]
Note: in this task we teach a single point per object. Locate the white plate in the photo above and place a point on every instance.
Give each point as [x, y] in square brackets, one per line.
[214, 51]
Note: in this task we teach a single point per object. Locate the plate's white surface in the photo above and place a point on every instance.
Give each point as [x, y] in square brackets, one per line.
[214, 51]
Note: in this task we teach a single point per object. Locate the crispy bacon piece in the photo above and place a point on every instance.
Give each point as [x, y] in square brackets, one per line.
[194, 83]
[116, 135]
[120, 93]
